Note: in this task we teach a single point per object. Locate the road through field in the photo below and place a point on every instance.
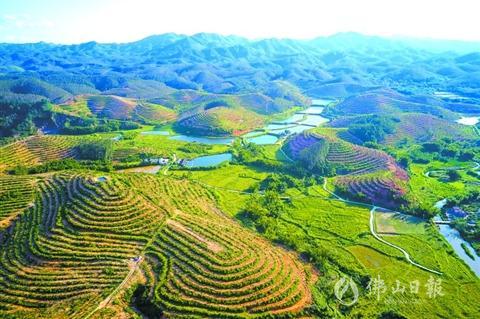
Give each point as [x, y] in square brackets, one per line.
[373, 208]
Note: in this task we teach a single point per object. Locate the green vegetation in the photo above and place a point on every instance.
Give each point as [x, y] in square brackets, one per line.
[467, 251]
[95, 151]
[175, 240]
[262, 236]
[372, 129]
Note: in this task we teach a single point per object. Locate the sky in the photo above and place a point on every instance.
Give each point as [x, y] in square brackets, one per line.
[75, 21]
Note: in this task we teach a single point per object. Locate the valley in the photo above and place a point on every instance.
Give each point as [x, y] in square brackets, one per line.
[210, 176]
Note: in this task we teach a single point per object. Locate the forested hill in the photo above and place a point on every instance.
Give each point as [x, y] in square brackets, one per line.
[339, 65]
[209, 82]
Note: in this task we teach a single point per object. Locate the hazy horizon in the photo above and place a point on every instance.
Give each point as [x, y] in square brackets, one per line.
[392, 37]
[107, 21]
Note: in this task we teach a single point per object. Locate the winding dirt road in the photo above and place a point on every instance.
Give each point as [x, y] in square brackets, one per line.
[373, 208]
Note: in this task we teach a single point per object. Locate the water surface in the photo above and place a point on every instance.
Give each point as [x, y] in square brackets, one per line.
[469, 120]
[164, 133]
[263, 139]
[455, 239]
[204, 140]
[209, 160]
[322, 102]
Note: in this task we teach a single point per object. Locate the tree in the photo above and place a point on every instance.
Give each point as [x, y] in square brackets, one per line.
[431, 147]
[101, 150]
[453, 175]
[254, 207]
[274, 205]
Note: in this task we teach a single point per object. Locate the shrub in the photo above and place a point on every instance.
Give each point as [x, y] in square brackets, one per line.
[100, 150]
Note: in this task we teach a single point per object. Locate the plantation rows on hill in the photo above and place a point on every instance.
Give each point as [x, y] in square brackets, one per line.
[346, 157]
[76, 244]
[221, 121]
[37, 150]
[16, 194]
[381, 189]
[425, 128]
[369, 174]
[416, 127]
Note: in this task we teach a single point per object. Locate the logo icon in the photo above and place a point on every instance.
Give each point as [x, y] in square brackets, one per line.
[344, 296]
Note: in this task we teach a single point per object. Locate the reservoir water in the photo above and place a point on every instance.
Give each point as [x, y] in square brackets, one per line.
[322, 102]
[204, 140]
[209, 160]
[164, 133]
[469, 120]
[297, 123]
[265, 139]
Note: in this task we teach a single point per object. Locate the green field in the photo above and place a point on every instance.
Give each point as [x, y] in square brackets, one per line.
[336, 236]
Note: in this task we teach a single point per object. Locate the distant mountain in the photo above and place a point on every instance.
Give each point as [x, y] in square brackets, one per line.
[344, 63]
[264, 76]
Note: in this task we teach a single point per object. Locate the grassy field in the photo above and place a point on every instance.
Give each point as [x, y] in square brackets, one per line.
[332, 235]
[164, 146]
[336, 236]
[428, 190]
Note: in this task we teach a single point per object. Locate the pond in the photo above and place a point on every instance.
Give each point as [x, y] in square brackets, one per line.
[263, 139]
[164, 133]
[209, 160]
[322, 102]
[298, 129]
[296, 123]
[313, 110]
[274, 127]
[204, 140]
[294, 118]
[469, 120]
[314, 120]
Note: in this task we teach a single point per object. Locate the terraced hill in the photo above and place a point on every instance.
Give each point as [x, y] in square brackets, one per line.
[346, 157]
[376, 188]
[368, 174]
[16, 194]
[221, 121]
[84, 238]
[153, 113]
[37, 150]
[417, 127]
[389, 102]
[115, 107]
[424, 128]
[111, 106]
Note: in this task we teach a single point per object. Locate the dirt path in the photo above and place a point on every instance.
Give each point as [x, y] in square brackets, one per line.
[133, 265]
[475, 167]
[373, 208]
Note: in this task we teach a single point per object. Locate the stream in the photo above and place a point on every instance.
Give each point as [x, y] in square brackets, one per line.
[455, 239]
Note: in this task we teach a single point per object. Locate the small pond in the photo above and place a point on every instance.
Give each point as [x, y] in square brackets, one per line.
[263, 139]
[209, 160]
[322, 102]
[470, 120]
[155, 133]
[204, 140]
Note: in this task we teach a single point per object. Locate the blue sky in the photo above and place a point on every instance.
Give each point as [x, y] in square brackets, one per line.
[67, 21]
